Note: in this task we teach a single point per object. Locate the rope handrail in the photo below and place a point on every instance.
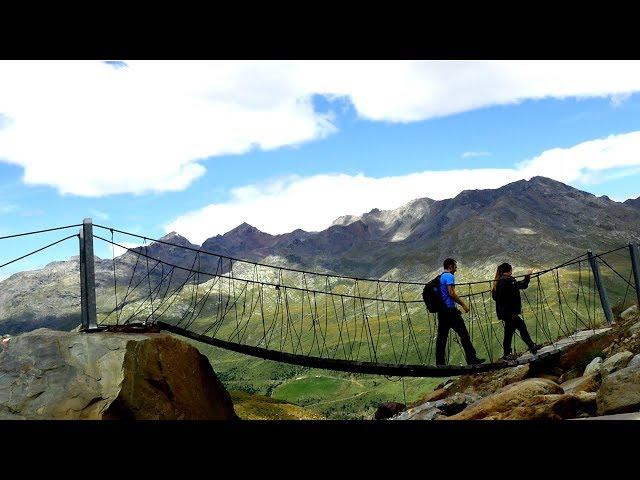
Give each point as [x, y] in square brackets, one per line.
[38, 250]
[39, 231]
[307, 323]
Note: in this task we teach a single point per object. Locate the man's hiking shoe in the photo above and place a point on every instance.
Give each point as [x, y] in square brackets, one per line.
[534, 349]
[477, 361]
[510, 357]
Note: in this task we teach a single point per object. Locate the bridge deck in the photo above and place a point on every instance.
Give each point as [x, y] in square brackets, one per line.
[381, 368]
[563, 343]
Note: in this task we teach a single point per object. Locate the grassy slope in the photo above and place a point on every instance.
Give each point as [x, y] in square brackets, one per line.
[259, 407]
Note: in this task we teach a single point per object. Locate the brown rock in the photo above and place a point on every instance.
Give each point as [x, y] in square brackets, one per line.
[507, 398]
[620, 392]
[46, 374]
[550, 407]
[588, 383]
[616, 362]
[570, 375]
[388, 410]
[166, 378]
[587, 406]
[489, 382]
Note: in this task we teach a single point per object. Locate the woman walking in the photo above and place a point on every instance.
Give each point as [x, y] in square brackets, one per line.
[506, 293]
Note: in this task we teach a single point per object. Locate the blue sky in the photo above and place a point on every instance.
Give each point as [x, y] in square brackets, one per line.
[291, 155]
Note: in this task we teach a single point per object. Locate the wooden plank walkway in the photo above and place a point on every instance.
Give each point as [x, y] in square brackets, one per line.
[563, 343]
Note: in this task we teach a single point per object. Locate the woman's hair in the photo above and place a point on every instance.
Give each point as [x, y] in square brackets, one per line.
[502, 269]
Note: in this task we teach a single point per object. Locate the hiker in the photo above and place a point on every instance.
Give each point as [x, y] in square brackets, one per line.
[506, 292]
[450, 317]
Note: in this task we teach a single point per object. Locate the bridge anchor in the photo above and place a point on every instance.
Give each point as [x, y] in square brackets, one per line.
[604, 300]
[635, 264]
[87, 277]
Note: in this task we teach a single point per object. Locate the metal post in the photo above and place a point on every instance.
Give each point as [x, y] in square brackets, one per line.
[88, 274]
[635, 264]
[604, 300]
[83, 300]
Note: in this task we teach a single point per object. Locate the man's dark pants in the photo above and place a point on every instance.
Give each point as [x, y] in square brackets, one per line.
[452, 318]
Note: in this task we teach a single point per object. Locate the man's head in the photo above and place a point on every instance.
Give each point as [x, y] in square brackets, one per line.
[450, 265]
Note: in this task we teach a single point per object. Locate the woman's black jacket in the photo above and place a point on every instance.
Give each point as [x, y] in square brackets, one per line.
[507, 295]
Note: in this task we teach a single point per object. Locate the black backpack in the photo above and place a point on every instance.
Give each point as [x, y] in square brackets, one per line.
[432, 296]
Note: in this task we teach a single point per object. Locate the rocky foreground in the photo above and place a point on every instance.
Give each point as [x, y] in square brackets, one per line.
[46, 374]
[597, 378]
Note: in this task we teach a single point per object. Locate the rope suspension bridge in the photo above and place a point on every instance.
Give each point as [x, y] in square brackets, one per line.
[331, 321]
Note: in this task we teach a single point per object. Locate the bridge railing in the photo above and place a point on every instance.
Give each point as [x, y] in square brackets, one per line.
[326, 315]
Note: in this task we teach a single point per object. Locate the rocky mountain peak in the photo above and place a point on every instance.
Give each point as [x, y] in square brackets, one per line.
[174, 237]
[633, 202]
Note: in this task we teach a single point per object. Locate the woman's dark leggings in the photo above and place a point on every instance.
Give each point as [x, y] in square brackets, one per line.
[511, 324]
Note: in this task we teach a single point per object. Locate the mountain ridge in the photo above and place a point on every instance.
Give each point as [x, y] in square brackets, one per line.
[537, 222]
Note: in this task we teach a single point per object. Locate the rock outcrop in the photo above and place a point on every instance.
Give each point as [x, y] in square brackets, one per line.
[586, 383]
[620, 391]
[507, 398]
[550, 407]
[593, 367]
[616, 362]
[441, 408]
[48, 374]
[597, 376]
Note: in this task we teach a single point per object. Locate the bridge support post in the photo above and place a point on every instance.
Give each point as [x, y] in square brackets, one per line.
[635, 264]
[87, 277]
[604, 300]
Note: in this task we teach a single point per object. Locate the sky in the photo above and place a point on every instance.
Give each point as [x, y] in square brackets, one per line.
[201, 147]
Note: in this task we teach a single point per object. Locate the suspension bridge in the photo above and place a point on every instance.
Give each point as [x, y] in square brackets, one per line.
[331, 321]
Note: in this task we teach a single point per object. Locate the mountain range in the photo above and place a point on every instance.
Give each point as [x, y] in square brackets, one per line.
[537, 222]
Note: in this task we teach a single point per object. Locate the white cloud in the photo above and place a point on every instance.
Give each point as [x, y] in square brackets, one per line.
[148, 126]
[476, 154]
[619, 99]
[312, 203]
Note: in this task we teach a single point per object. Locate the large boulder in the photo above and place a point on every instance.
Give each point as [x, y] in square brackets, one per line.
[456, 403]
[620, 391]
[586, 383]
[508, 398]
[46, 374]
[426, 411]
[439, 408]
[634, 362]
[489, 382]
[616, 362]
[593, 367]
[550, 407]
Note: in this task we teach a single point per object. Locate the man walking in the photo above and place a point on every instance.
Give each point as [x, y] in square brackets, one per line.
[450, 317]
